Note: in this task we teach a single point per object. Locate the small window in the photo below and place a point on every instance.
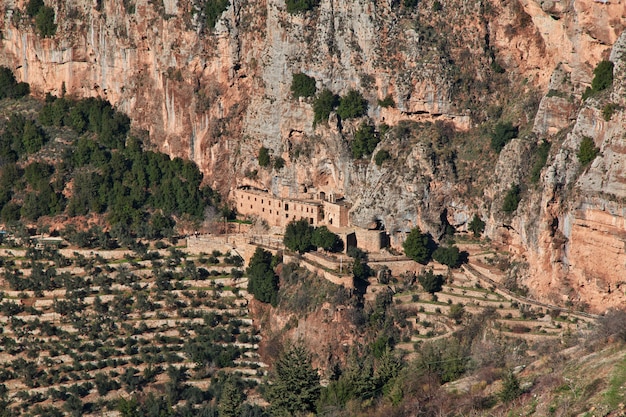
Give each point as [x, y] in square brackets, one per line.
[248, 198]
[263, 209]
[286, 207]
[250, 205]
[262, 202]
[240, 204]
[270, 211]
[286, 216]
[254, 198]
[279, 204]
[310, 220]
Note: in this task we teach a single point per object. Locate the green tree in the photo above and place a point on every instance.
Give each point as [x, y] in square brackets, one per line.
[382, 156]
[361, 270]
[9, 87]
[33, 7]
[262, 281]
[365, 141]
[587, 151]
[302, 85]
[264, 157]
[476, 226]
[45, 22]
[457, 311]
[298, 235]
[213, 9]
[296, 385]
[502, 134]
[449, 256]
[430, 281]
[327, 240]
[34, 137]
[323, 105]
[231, 399]
[512, 199]
[510, 388]
[602, 76]
[300, 6]
[387, 101]
[352, 105]
[419, 246]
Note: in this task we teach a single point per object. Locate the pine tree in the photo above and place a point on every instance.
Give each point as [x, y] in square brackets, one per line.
[231, 399]
[296, 387]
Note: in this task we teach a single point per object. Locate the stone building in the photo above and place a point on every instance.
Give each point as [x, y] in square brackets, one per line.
[316, 208]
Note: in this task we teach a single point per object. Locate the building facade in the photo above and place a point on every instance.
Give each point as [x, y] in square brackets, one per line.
[279, 211]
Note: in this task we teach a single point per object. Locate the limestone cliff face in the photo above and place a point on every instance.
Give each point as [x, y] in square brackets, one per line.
[217, 95]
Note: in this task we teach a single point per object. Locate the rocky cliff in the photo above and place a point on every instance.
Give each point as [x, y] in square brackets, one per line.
[453, 68]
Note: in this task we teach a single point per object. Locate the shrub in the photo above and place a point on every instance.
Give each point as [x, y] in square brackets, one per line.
[510, 388]
[457, 311]
[430, 281]
[302, 85]
[279, 163]
[587, 151]
[476, 226]
[381, 156]
[300, 6]
[325, 103]
[502, 134]
[387, 101]
[360, 270]
[365, 141]
[603, 79]
[608, 110]
[512, 199]
[603, 76]
[45, 22]
[264, 157]
[352, 105]
[541, 156]
[213, 9]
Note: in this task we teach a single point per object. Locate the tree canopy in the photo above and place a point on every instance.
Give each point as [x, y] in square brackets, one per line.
[296, 384]
[324, 104]
[430, 281]
[419, 246]
[298, 236]
[302, 85]
[262, 281]
[352, 105]
[502, 134]
[327, 240]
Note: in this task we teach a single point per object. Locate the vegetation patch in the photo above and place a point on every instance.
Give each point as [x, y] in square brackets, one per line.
[587, 151]
[502, 134]
[302, 85]
[512, 199]
[323, 105]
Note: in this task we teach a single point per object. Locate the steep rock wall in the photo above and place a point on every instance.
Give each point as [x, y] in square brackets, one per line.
[217, 96]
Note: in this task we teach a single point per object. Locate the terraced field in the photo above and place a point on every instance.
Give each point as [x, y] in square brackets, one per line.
[468, 292]
[81, 331]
